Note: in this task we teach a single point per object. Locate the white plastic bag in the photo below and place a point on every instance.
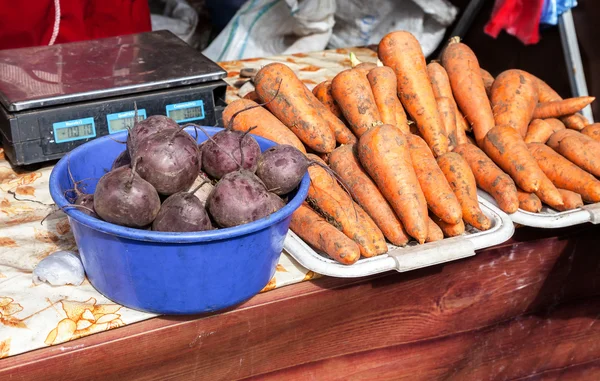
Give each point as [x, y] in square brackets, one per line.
[179, 18]
[263, 28]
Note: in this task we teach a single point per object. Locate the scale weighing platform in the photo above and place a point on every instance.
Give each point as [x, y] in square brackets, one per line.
[55, 98]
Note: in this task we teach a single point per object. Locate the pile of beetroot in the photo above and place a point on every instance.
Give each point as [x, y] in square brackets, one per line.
[153, 184]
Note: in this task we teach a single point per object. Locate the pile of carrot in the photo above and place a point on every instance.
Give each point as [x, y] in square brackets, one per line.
[408, 143]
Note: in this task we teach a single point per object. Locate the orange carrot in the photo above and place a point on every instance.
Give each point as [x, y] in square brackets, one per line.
[571, 200]
[462, 181]
[488, 81]
[448, 114]
[578, 148]
[529, 201]
[449, 230]
[549, 194]
[342, 134]
[267, 125]
[468, 88]
[504, 145]
[514, 98]
[384, 153]
[402, 52]
[294, 105]
[575, 121]
[593, 131]
[434, 232]
[385, 91]
[344, 161]
[560, 108]
[440, 197]
[319, 233]
[352, 92]
[490, 178]
[329, 199]
[564, 174]
[442, 89]
[540, 130]
[252, 96]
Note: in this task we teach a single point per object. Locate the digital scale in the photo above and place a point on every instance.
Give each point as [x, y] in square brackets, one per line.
[55, 98]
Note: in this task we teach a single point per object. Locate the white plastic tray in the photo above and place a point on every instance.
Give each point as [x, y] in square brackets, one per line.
[407, 258]
[550, 218]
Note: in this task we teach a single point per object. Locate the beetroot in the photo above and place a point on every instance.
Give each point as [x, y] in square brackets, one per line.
[182, 212]
[239, 198]
[122, 197]
[122, 160]
[87, 201]
[149, 126]
[168, 160]
[221, 154]
[281, 168]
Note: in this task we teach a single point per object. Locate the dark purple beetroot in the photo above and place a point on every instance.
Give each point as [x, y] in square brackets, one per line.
[281, 168]
[239, 198]
[122, 160]
[141, 130]
[182, 212]
[87, 201]
[219, 153]
[168, 160]
[124, 198]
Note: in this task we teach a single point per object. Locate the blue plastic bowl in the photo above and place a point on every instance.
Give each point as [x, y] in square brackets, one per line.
[170, 273]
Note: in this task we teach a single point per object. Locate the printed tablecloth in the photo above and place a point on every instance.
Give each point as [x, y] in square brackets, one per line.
[33, 317]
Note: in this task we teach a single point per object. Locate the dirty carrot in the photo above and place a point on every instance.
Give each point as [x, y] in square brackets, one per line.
[363, 67]
[564, 174]
[352, 92]
[344, 161]
[593, 131]
[385, 91]
[295, 106]
[571, 200]
[529, 201]
[434, 232]
[449, 230]
[313, 229]
[578, 148]
[514, 98]
[461, 179]
[343, 135]
[440, 197]
[490, 178]
[448, 114]
[265, 123]
[505, 146]
[327, 197]
[402, 52]
[384, 153]
[540, 130]
[488, 80]
[252, 96]
[468, 88]
[575, 122]
[549, 194]
[560, 108]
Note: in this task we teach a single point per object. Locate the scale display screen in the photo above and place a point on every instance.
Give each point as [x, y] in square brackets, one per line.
[123, 120]
[71, 130]
[186, 111]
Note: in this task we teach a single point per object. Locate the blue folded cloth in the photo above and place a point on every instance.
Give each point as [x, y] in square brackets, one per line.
[552, 9]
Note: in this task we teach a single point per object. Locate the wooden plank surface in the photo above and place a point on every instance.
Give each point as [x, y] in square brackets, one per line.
[523, 309]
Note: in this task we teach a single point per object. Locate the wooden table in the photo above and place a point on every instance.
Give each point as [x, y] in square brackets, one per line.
[523, 310]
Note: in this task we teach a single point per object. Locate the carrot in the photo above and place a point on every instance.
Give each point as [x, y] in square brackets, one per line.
[363, 67]
[352, 92]
[440, 197]
[319, 233]
[504, 145]
[385, 91]
[462, 181]
[448, 114]
[294, 105]
[468, 88]
[442, 89]
[593, 131]
[461, 137]
[549, 194]
[252, 96]
[575, 121]
[540, 130]
[560, 108]
[330, 200]
[514, 97]
[571, 200]
[488, 81]
[529, 202]
[267, 125]
[342, 134]
[434, 232]
[578, 148]
[490, 178]
[556, 124]
[384, 153]
[344, 161]
[449, 230]
[564, 174]
[401, 51]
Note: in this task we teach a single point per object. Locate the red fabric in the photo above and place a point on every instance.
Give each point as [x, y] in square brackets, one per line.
[520, 18]
[26, 23]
